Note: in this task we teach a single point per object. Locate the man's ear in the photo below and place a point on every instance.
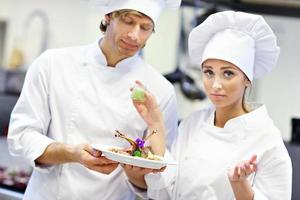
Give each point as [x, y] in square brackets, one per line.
[107, 19]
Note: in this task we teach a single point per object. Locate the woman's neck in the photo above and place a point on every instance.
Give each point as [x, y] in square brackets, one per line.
[222, 115]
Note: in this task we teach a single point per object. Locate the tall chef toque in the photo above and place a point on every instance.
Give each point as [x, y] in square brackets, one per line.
[243, 39]
[151, 8]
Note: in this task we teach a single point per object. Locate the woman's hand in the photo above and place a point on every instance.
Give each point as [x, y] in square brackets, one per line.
[92, 159]
[136, 174]
[242, 170]
[152, 115]
[148, 107]
[238, 179]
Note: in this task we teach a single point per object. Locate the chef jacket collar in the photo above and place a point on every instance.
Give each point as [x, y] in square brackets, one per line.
[246, 121]
[96, 58]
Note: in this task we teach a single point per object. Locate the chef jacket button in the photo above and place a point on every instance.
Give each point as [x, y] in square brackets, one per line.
[186, 158]
[179, 195]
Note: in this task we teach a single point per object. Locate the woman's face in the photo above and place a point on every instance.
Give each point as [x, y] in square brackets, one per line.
[224, 83]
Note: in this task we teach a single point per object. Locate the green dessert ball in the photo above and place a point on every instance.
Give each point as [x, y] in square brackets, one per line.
[138, 94]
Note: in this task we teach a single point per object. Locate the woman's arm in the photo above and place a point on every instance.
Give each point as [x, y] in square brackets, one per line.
[273, 178]
[152, 115]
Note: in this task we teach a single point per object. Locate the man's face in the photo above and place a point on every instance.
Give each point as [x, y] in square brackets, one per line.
[128, 33]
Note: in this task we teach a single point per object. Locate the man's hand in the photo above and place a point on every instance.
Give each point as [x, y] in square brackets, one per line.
[60, 153]
[92, 159]
[136, 174]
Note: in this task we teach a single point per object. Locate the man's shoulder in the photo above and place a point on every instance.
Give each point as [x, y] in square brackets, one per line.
[156, 75]
[67, 51]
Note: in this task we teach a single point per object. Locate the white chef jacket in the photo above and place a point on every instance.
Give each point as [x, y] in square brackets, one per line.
[70, 95]
[205, 154]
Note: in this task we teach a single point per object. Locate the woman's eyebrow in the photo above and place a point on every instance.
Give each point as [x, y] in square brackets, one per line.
[207, 66]
[228, 67]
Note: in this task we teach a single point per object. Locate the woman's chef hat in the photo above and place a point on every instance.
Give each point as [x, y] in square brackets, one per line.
[243, 39]
[151, 8]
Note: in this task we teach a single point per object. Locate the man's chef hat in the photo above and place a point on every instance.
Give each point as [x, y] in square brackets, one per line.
[151, 8]
[243, 39]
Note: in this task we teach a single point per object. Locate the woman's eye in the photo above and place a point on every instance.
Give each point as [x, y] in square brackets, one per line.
[208, 73]
[228, 74]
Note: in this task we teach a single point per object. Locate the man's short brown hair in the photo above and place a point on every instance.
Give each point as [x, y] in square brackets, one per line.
[116, 14]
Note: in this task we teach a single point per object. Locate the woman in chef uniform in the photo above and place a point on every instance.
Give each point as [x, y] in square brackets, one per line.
[232, 149]
[73, 97]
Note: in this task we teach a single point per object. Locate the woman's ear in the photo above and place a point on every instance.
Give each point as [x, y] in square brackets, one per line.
[248, 83]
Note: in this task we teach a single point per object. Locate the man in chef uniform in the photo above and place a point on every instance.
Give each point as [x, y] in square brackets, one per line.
[76, 96]
[230, 149]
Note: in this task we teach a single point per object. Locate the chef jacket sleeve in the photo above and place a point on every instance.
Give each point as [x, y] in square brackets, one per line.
[31, 115]
[160, 185]
[274, 176]
[157, 183]
[169, 111]
[163, 185]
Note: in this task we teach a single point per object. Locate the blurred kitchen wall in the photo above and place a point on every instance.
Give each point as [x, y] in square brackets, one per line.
[280, 90]
[71, 22]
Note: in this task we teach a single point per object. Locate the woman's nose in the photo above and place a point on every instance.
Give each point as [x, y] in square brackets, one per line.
[217, 84]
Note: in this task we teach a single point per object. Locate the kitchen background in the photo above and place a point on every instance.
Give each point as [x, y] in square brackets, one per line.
[28, 27]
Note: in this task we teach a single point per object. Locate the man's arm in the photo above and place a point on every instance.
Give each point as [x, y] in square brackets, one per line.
[59, 153]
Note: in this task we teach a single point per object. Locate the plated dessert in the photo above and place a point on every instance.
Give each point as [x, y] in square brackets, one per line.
[137, 147]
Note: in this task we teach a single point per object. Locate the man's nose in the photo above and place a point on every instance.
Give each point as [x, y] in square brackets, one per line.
[133, 33]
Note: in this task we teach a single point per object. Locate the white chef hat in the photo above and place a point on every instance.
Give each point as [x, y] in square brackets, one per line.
[243, 39]
[151, 8]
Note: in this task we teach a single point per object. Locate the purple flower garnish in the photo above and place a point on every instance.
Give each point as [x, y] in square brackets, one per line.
[140, 142]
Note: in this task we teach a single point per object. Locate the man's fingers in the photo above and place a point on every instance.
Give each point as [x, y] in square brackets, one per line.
[91, 150]
[96, 153]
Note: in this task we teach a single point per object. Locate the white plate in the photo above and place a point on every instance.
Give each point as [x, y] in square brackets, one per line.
[130, 160]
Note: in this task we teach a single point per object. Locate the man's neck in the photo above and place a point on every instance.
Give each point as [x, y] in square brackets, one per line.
[112, 57]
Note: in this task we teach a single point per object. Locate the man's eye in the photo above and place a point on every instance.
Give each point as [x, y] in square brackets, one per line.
[127, 20]
[146, 28]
